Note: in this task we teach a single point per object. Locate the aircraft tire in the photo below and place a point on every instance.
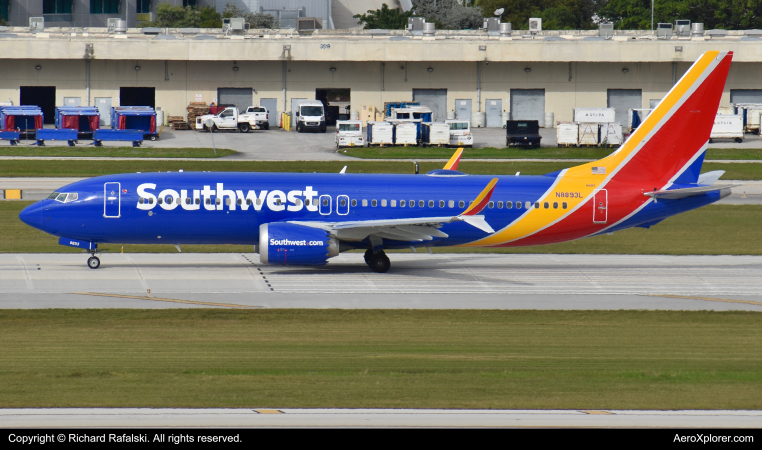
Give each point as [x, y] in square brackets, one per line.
[368, 256]
[93, 262]
[380, 263]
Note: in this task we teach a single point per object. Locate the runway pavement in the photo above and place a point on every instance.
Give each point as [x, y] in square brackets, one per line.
[403, 418]
[416, 280]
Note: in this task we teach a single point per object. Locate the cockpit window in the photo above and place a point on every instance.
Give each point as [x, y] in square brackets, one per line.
[64, 197]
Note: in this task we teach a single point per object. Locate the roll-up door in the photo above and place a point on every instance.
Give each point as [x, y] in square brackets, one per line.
[240, 97]
[528, 104]
[435, 99]
[622, 100]
[745, 96]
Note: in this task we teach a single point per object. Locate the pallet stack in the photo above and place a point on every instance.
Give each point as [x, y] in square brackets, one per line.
[196, 109]
[177, 122]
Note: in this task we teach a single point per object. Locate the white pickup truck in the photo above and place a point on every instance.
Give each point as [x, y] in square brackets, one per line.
[255, 117]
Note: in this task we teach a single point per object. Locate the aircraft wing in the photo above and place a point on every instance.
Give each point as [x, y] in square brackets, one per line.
[408, 229]
[687, 192]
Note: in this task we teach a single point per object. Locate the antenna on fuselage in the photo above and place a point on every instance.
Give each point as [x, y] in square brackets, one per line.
[344, 170]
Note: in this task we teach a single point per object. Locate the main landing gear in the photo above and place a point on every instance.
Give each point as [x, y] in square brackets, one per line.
[377, 261]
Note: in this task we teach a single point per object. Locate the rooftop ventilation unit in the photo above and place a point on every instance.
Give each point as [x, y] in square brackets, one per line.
[505, 29]
[682, 28]
[664, 31]
[309, 23]
[535, 25]
[492, 24]
[697, 29]
[117, 26]
[429, 29]
[755, 33]
[606, 30]
[234, 25]
[36, 24]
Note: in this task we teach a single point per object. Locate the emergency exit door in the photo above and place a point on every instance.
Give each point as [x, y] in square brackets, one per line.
[600, 206]
[112, 200]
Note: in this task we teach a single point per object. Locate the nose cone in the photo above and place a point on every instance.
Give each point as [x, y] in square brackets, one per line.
[32, 215]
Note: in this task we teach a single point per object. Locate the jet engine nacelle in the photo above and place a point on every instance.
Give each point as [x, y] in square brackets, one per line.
[295, 245]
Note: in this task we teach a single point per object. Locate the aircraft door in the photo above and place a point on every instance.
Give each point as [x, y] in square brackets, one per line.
[342, 205]
[112, 196]
[325, 205]
[600, 205]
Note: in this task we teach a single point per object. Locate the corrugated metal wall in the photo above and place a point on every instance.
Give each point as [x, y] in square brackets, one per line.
[746, 96]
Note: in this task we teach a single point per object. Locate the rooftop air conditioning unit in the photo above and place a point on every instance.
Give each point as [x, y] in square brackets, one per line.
[682, 28]
[664, 31]
[309, 23]
[234, 24]
[36, 24]
[492, 24]
[606, 30]
[111, 24]
[415, 23]
[535, 25]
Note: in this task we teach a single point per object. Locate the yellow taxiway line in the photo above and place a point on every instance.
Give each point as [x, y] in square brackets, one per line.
[172, 300]
[709, 299]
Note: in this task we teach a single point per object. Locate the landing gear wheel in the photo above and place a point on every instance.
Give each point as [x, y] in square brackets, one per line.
[380, 263]
[244, 127]
[93, 262]
[368, 256]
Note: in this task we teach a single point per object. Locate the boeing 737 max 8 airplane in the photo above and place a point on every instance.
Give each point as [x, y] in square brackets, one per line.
[305, 219]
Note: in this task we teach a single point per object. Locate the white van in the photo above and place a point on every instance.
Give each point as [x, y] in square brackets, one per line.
[310, 115]
[349, 133]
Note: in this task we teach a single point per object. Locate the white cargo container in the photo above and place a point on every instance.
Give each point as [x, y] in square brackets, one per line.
[567, 134]
[726, 111]
[611, 134]
[588, 134]
[750, 113]
[380, 133]
[460, 133]
[405, 133]
[590, 115]
[349, 133]
[727, 127]
[436, 133]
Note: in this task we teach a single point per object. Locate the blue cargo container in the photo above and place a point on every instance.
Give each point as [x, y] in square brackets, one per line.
[84, 119]
[25, 118]
[135, 118]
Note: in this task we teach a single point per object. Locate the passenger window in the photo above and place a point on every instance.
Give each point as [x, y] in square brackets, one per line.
[461, 204]
[277, 201]
[527, 205]
[491, 205]
[383, 203]
[228, 201]
[563, 205]
[240, 202]
[537, 205]
[140, 200]
[259, 201]
[421, 203]
[451, 203]
[325, 202]
[393, 203]
[217, 201]
[169, 200]
[150, 201]
[441, 203]
[364, 203]
[354, 202]
[298, 202]
[499, 205]
[306, 202]
[508, 205]
[248, 201]
[431, 203]
[546, 205]
[373, 203]
[518, 205]
[159, 201]
[411, 203]
[402, 203]
[343, 202]
[555, 205]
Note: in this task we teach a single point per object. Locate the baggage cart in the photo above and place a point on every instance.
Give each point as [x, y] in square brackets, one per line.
[567, 134]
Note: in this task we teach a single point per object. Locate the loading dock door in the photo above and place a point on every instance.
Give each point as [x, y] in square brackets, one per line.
[463, 109]
[272, 109]
[528, 104]
[622, 100]
[42, 96]
[494, 113]
[104, 110]
[436, 99]
[137, 96]
[746, 96]
[240, 97]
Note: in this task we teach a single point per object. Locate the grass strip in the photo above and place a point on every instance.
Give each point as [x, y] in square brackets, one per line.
[117, 152]
[35, 168]
[204, 358]
[712, 230]
[522, 153]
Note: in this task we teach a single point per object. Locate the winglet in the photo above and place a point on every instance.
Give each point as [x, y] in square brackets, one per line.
[452, 164]
[481, 201]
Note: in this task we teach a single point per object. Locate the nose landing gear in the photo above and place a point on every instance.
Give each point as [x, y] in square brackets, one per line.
[93, 262]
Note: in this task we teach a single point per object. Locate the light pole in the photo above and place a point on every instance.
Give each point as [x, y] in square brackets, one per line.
[652, 15]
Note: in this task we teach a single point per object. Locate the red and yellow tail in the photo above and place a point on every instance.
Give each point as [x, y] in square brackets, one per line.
[664, 146]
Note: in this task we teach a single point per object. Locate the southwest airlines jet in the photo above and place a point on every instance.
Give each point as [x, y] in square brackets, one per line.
[305, 219]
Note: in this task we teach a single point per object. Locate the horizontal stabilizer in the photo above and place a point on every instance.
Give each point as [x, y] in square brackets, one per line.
[687, 192]
[710, 177]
